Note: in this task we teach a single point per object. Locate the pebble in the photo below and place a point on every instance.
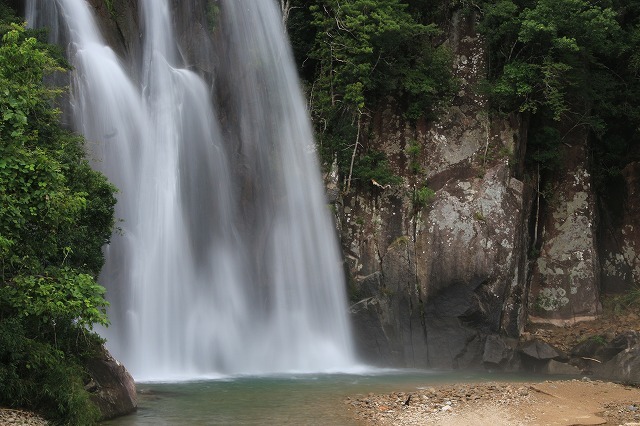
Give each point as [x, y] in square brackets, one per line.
[446, 405]
[10, 417]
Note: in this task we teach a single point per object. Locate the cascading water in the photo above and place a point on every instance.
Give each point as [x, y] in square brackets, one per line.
[226, 262]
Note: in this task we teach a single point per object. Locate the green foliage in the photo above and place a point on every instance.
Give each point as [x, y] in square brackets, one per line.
[110, 8]
[213, 14]
[374, 165]
[545, 147]
[356, 56]
[545, 53]
[367, 49]
[623, 303]
[598, 339]
[50, 199]
[423, 196]
[56, 213]
[427, 83]
[413, 153]
[60, 297]
[35, 374]
[568, 64]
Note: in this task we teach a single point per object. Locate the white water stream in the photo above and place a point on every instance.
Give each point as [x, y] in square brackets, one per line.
[226, 262]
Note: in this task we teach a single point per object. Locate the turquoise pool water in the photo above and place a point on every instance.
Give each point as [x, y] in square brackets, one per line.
[306, 399]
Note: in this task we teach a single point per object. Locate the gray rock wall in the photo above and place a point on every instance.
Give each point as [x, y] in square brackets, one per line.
[430, 282]
[565, 282]
[620, 233]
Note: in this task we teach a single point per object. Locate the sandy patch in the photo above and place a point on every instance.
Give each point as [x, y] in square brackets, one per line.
[552, 403]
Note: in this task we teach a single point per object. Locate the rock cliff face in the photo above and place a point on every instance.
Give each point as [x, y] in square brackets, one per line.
[430, 282]
[122, 29]
[620, 233]
[433, 285]
[565, 282]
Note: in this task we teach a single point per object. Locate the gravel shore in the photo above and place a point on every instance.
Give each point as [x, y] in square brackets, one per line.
[20, 418]
[570, 402]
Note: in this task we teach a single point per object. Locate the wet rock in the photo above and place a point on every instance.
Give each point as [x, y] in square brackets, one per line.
[620, 244]
[113, 390]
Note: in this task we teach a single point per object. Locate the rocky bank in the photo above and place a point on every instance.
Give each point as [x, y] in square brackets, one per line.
[574, 402]
[10, 417]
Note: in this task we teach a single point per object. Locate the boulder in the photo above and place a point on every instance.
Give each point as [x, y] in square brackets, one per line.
[540, 350]
[500, 354]
[589, 348]
[624, 367]
[496, 350]
[625, 340]
[601, 350]
[112, 388]
[536, 354]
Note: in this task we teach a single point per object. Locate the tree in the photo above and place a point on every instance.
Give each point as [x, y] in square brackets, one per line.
[366, 51]
[549, 54]
[56, 213]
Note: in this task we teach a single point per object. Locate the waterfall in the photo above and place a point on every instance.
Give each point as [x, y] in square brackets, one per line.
[225, 261]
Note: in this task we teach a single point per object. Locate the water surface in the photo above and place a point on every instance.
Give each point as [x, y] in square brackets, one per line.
[280, 400]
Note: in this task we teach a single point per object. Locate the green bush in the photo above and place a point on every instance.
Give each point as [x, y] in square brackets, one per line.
[36, 375]
[423, 197]
[56, 213]
[374, 166]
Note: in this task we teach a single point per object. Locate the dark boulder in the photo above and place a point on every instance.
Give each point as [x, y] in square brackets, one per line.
[496, 351]
[112, 388]
[597, 348]
[539, 350]
[589, 348]
[536, 354]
